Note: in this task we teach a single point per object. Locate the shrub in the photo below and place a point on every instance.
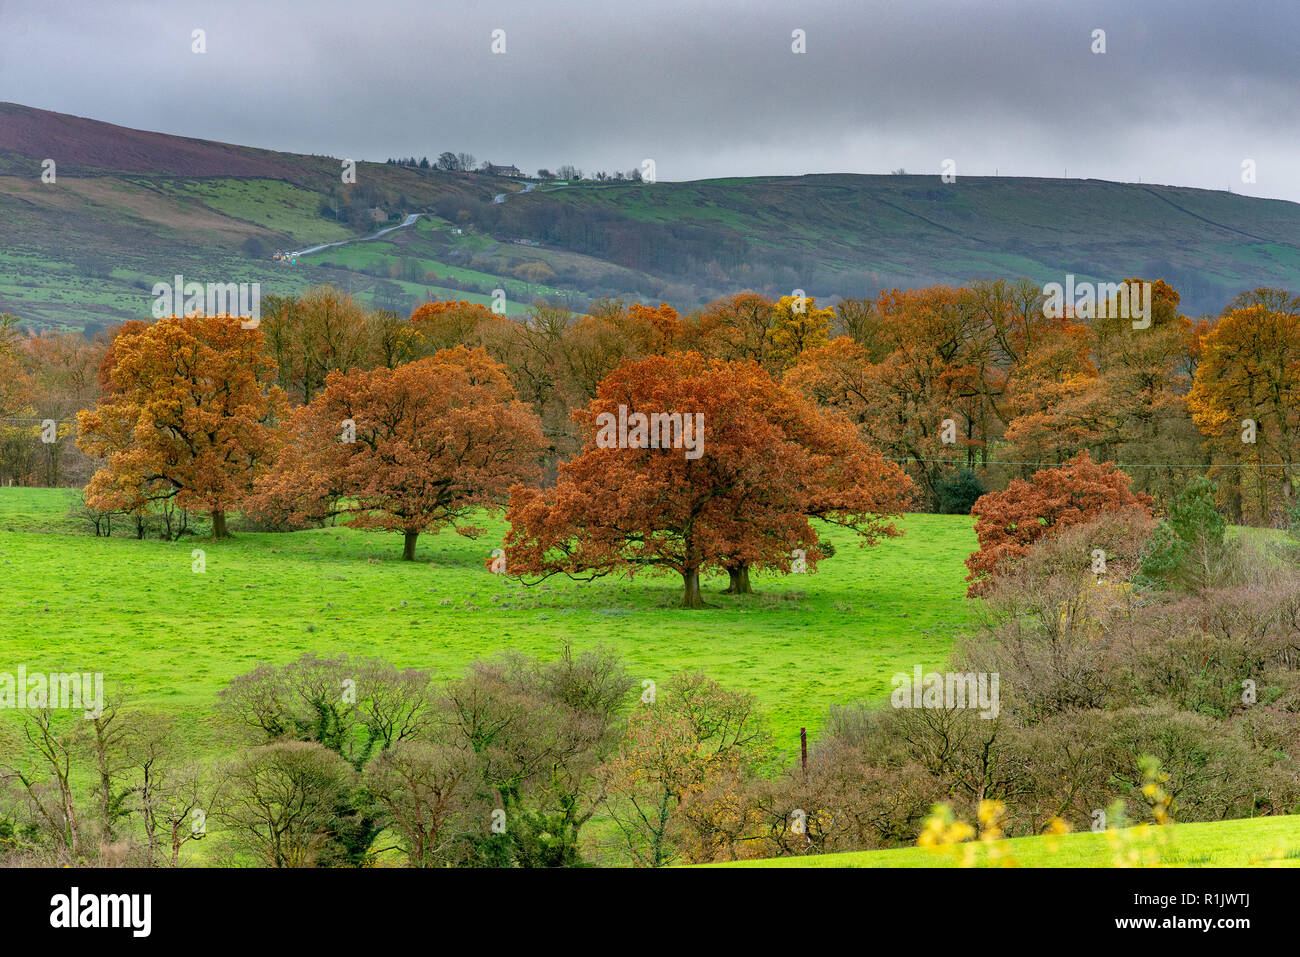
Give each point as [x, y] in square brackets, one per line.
[958, 491]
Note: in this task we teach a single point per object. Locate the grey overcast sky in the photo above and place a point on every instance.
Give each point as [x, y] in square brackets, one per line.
[1186, 91]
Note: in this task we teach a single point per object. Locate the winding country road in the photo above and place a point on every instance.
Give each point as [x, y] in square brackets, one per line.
[499, 198]
[360, 239]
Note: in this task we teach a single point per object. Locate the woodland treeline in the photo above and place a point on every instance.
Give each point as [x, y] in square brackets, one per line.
[1024, 391]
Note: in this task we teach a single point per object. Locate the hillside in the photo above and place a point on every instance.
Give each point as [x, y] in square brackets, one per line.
[130, 208]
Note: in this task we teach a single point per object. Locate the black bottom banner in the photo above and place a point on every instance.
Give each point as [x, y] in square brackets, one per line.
[339, 906]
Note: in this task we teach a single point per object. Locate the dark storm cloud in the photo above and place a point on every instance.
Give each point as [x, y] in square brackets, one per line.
[1185, 92]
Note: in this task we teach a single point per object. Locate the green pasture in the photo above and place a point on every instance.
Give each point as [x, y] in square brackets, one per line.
[136, 610]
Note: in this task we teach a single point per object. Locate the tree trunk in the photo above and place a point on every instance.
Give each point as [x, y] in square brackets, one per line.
[739, 581]
[692, 597]
[408, 545]
[219, 529]
[1234, 499]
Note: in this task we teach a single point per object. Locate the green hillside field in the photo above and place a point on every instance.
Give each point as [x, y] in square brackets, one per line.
[124, 213]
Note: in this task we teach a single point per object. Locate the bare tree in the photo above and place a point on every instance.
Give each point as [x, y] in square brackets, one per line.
[282, 799]
[46, 780]
[431, 798]
[105, 737]
[173, 797]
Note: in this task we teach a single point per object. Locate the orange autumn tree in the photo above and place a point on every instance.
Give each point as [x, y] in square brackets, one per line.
[653, 330]
[925, 376]
[1245, 397]
[1144, 384]
[1011, 521]
[735, 491]
[409, 449]
[18, 422]
[846, 483]
[190, 415]
[611, 332]
[1058, 403]
[104, 374]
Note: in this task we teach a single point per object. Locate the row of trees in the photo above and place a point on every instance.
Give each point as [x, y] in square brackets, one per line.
[572, 173]
[346, 762]
[449, 162]
[974, 379]
[951, 382]
[964, 388]
[193, 416]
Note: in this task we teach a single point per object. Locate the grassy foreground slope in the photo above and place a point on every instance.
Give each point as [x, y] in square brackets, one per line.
[1249, 842]
[135, 610]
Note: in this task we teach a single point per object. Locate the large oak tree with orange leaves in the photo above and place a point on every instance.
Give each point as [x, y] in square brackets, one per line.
[768, 461]
[409, 449]
[1245, 397]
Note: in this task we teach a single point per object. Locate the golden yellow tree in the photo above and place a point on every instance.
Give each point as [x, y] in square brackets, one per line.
[190, 415]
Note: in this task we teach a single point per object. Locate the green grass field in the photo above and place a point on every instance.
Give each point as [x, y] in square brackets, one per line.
[135, 610]
[1264, 841]
[278, 206]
